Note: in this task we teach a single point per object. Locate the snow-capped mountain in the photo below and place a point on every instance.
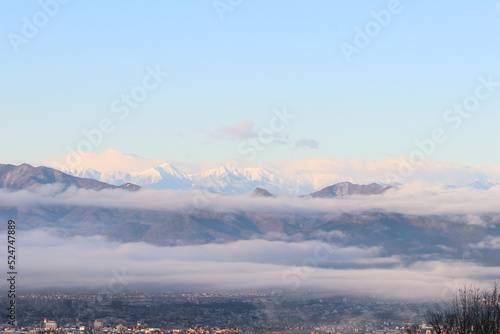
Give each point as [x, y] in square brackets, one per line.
[222, 179]
[239, 180]
[296, 177]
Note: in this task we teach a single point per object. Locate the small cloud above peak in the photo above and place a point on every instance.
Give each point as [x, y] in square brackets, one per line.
[242, 130]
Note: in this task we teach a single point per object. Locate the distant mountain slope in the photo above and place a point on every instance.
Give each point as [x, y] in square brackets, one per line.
[261, 192]
[26, 176]
[343, 189]
[409, 237]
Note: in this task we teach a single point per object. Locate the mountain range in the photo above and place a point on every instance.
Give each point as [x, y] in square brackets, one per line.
[237, 181]
[26, 177]
[410, 237]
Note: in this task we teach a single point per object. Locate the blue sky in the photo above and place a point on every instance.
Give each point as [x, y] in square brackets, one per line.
[230, 74]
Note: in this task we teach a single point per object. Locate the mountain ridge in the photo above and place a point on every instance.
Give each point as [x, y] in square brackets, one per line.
[344, 189]
[26, 176]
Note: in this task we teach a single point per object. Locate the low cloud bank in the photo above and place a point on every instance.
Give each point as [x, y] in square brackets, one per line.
[48, 261]
[410, 199]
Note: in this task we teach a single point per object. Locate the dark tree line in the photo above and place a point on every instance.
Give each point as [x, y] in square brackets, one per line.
[472, 311]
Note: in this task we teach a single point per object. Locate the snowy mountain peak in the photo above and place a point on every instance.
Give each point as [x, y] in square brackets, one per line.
[168, 168]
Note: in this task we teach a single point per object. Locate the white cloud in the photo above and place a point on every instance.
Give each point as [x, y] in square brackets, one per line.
[108, 161]
[409, 199]
[490, 242]
[306, 142]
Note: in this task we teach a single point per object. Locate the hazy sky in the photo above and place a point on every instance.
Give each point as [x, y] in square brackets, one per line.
[65, 68]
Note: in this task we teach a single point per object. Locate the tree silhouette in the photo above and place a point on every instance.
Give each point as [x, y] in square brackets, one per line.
[472, 311]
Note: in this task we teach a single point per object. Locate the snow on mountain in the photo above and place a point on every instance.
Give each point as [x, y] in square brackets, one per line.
[116, 177]
[222, 179]
[241, 180]
[166, 176]
[85, 173]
